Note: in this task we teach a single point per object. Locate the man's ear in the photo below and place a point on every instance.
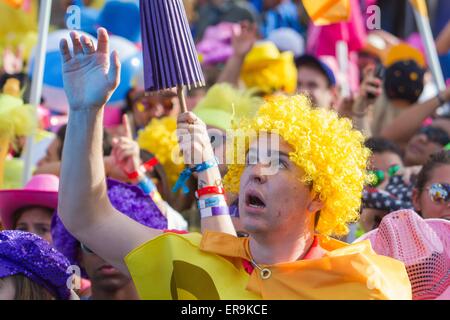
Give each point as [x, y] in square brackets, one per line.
[415, 200]
[315, 204]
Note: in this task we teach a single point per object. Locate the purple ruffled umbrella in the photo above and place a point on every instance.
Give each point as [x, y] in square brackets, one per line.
[170, 58]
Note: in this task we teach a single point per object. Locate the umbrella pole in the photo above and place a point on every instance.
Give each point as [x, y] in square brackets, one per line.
[423, 24]
[38, 76]
[182, 99]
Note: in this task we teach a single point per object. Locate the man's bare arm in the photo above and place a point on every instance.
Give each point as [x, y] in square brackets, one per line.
[90, 77]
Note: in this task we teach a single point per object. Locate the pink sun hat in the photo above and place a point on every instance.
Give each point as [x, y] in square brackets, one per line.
[423, 245]
[41, 190]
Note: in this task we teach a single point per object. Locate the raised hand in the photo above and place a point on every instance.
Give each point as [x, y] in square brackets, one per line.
[193, 139]
[243, 38]
[90, 75]
[370, 85]
[125, 150]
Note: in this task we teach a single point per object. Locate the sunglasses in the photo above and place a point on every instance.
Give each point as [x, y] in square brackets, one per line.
[439, 192]
[436, 135]
[86, 249]
[379, 176]
[145, 103]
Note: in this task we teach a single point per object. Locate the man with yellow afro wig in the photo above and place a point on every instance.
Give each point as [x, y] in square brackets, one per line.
[288, 213]
[319, 172]
[323, 156]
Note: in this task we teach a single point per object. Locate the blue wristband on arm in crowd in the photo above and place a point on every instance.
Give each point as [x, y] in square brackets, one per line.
[147, 185]
[186, 174]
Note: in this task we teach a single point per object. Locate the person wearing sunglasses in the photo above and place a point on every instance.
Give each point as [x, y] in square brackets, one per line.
[431, 195]
[143, 107]
[428, 140]
[385, 161]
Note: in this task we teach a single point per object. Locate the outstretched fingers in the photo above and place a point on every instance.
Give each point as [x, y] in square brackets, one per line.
[64, 50]
[114, 70]
[103, 41]
[126, 126]
[77, 46]
[88, 46]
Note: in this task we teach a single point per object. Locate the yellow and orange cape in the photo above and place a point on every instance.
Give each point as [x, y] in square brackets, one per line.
[193, 266]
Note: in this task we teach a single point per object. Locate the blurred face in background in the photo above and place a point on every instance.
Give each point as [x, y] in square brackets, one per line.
[423, 201]
[146, 107]
[52, 153]
[385, 161]
[426, 141]
[36, 220]
[314, 83]
[102, 275]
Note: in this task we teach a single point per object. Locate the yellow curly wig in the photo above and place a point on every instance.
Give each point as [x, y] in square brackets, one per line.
[326, 147]
[159, 137]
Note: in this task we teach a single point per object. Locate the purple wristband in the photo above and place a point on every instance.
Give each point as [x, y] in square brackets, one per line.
[214, 211]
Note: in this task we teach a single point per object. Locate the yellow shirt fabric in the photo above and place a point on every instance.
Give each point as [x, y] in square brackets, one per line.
[209, 267]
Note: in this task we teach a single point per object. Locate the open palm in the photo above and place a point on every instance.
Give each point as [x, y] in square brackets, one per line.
[90, 75]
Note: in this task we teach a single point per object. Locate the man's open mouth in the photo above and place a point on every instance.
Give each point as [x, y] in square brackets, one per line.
[254, 201]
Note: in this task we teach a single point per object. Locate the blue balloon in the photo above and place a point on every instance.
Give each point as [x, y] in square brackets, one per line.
[89, 18]
[130, 68]
[53, 91]
[121, 18]
[52, 70]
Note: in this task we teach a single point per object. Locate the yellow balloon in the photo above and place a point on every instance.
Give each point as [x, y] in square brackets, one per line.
[18, 26]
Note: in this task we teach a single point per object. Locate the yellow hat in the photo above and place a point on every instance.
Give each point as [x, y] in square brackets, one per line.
[159, 137]
[403, 52]
[223, 103]
[268, 70]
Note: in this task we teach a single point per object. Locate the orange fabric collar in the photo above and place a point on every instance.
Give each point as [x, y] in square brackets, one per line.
[230, 246]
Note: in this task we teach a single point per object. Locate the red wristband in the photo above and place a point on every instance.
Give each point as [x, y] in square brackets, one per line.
[209, 190]
[132, 175]
[150, 164]
[147, 166]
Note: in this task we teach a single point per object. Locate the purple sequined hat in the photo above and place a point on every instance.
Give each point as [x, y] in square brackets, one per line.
[28, 254]
[128, 199]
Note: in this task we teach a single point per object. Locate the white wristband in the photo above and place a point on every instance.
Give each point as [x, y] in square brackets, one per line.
[212, 202]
